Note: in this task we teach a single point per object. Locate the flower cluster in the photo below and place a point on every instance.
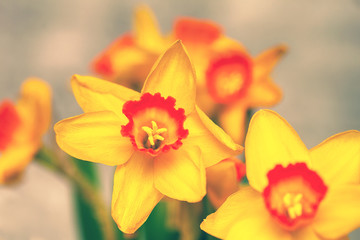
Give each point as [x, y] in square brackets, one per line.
[154, 113]
[229, 81]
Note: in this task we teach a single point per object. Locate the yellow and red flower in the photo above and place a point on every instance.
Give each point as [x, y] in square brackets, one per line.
[160, 140]
[229, 80]
[22, 126]
[129, 59]
[239, 82]
[294, 193]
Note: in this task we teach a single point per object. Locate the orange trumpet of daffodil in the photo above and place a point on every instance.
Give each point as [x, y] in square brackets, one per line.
[229, 80]
[160, 140]
[294, 193]
[22, 127]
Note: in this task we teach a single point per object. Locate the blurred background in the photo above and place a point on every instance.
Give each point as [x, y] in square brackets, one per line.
[53, 40]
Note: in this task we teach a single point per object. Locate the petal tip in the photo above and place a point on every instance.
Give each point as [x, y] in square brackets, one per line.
[282, 49]
[178, 44]
[239, 149]
[57, 126]
[34, 85]
[142, 7]
[75, 77]
[203, 225]
[265, 112]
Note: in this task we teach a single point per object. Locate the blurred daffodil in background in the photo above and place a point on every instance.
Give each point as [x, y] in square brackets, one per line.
[23, 125]
[223, 179]
[229, 80]
[160, 140]
[294, 193]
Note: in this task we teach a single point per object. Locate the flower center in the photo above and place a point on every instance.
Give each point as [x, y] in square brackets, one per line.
[228, 78]
[154, 136]
[292, 204]
[9, 122]
[293, 194]
[234, 83]
[154, 124]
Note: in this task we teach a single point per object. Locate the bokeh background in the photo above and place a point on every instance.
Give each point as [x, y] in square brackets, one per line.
[320, 75]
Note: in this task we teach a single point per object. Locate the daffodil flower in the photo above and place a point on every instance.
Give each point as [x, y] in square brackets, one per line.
[223, 179]
[239, 82]
[160, 140]
[294, 193]
[22, 127]
[229, 80]
[129, 59]
[125, 62]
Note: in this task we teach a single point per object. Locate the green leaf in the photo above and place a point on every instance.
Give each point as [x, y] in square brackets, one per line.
[156, 225]
[88, 223]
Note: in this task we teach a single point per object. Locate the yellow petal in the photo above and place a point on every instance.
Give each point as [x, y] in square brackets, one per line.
[124, 62]
[34, 105]
[307, 233]
[270, 141]
[134, 194]
[232, 120]
[214, 143]
[147, 34]
[14, 160]
[224, 43]
[180, 174]
[266, 61]
[337, 159]
[264, 94]
[173, 75]
[258, 227]
[131, 65]
[204, 101]
[339, 212]
[240, 205]
[221, 181]
[94, 94]
[94, 137]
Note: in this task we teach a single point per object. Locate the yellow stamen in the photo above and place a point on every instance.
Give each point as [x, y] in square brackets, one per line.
[291, 213]
[158, 137]
[298, 198]
[293, 205]
[154, 126]
[161, 130]
[287, 200]
[154, 133]
[298, 209]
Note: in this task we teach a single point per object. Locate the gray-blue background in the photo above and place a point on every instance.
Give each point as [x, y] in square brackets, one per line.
[320, 75]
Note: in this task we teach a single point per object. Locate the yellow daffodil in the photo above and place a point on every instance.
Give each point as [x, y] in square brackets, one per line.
[239, 82]
[294, 193]
[223, 179]
[229, 80]
[160, 140]
[22, 127]
[129, 58]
